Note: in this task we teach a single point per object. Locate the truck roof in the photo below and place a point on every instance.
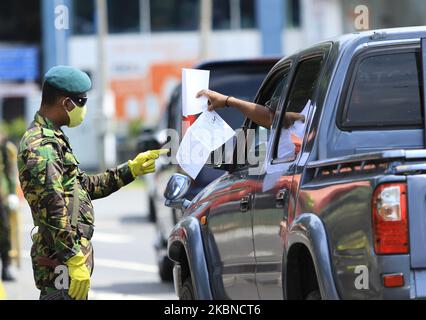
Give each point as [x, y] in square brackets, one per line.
[379, 35]
[213, 64]
[352, 40]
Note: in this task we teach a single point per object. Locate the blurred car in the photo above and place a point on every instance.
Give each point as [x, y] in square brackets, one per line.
[237, 78]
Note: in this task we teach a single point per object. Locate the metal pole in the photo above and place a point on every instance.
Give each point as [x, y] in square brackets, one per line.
[205, 28]
[271, 17]
[145, 16]
[55, 32]
[102, 28]
[235, 14]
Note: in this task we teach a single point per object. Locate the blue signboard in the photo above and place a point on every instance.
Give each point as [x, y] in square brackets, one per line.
[18, 63]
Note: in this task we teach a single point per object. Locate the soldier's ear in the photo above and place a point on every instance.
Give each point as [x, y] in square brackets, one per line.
[66, 103]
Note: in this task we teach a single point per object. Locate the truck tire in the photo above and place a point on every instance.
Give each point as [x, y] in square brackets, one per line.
[187, 292]
[165, 268]
[314, 295]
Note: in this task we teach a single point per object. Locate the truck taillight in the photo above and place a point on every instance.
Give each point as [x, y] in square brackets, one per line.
[390, 221]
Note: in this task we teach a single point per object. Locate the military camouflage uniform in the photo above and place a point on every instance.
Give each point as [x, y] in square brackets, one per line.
[7, 187]
[48, 170]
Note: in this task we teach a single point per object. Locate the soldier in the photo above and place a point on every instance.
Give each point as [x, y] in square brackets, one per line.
[59, 192]
[8, 200]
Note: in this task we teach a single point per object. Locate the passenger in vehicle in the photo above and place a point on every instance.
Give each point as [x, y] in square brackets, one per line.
[291, 136]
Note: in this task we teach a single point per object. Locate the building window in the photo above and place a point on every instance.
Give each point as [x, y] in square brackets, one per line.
[20, 21]
[248, 14]
[123, 16]
[174, 15]
[221, 14]
[164, 15]
[293, 14]
[83, 17]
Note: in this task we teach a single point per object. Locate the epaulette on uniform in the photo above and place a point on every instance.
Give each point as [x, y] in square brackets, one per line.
[49, 133]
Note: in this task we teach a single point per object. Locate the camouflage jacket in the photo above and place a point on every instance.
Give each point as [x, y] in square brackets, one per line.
[47, 172]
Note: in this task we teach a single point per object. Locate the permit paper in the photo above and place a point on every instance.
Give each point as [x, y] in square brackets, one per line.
[192, 155]
[298, 128]
[207, 134]
[193, 81]
[212, 130]
[209, 131]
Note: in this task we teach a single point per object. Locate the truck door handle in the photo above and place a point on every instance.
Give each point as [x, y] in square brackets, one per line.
[245, 204]
[281, 198]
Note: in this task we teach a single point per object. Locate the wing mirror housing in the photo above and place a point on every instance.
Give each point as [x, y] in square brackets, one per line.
[147, 141]
[176, 189]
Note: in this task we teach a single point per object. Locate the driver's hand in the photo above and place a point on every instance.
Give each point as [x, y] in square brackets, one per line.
[215, 99]
[291, 117]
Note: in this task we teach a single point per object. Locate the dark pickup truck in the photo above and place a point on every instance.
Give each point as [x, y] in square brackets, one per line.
[343, 216]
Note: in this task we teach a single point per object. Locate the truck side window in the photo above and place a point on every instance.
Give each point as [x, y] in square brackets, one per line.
[385, 91]
[293, 121]
[272, 96]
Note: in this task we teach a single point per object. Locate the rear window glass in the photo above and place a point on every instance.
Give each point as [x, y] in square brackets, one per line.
[386, 91]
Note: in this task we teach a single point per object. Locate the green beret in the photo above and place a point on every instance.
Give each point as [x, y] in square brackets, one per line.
[68, 79]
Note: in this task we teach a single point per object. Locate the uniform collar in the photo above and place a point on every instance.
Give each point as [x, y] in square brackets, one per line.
[45, 122]
[49, 124]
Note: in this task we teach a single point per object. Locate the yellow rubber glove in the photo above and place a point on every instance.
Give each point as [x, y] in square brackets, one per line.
[80, 277]
[145, 162]
[2, 292]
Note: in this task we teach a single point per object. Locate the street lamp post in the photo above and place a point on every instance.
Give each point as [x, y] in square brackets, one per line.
[205, 28]
[102, 30]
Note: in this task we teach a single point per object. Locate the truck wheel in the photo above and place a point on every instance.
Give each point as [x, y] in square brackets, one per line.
[165, 268]
[187, 292]
[314, 295]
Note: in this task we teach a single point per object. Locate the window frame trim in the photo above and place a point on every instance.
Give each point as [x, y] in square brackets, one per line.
[274, 159]
[287, 65]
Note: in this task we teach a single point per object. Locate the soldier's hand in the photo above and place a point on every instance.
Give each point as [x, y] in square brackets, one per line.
[80, 277]
[144, 162]
[215, 99]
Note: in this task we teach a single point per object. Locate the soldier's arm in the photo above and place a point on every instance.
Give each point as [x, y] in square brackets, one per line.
[103, 184]
[43, 181]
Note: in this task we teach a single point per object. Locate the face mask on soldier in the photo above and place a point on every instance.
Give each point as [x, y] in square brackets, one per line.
[77, 114]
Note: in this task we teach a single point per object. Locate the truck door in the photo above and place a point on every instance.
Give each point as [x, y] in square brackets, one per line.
[231, 216]
[273, 201]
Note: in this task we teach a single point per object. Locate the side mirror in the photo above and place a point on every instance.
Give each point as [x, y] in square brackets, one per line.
[147, 141]
[176, 189]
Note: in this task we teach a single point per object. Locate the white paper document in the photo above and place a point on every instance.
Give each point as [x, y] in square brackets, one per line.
[212, 130]
[193, 81]
[206, 135]
[192, 155]
[298, 128]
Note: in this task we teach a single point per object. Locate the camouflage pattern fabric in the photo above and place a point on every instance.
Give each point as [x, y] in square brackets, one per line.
[47, 172]
[7, 170]
[7, 187]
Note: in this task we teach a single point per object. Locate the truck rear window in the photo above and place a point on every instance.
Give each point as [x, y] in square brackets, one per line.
[385, 91]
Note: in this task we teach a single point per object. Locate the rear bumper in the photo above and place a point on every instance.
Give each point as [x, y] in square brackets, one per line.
[418, 287]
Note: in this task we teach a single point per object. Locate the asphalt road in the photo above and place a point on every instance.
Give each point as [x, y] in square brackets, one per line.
[125, 266]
